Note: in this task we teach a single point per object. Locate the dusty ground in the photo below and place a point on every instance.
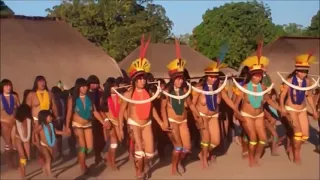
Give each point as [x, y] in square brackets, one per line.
[230, 166]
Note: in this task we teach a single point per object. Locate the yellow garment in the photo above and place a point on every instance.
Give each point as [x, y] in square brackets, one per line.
[215, 67]
[177, 65]
[257, 62]
[44, 100]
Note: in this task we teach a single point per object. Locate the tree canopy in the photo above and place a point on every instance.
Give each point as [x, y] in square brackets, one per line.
[115, 25]
[239, 23]
[314, 28]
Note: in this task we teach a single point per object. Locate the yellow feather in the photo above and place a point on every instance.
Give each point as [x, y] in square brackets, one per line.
[177, 64]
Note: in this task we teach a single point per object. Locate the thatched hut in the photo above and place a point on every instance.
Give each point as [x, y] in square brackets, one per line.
[32, 46]
[160, 55]
[283, 51]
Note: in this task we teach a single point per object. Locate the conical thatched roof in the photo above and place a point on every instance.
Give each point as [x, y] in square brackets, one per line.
[5, 10]
[160, 55]
[32, 46]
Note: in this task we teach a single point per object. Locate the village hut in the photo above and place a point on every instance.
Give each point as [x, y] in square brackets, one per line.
[32, 46]
[282, 53]
[160, 55]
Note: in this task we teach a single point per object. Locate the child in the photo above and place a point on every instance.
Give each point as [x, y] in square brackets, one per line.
[22, 131]
[47, 134]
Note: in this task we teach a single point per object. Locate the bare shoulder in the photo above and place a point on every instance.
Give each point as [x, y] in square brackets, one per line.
[128, 93]
[308, 80]
[199, 86]
[289, 79]
[16, 98]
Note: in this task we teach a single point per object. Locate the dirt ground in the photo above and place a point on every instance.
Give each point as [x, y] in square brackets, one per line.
[229, 166]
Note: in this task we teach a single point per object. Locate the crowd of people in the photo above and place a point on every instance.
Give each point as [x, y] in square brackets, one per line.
[147, 114]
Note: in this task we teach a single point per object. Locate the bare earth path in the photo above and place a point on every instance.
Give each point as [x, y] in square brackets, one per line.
[230, 166]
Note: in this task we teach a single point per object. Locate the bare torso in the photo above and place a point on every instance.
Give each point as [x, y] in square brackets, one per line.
[5, 117]
[131, 110]
[35, 103]
[289, 101]
[201, 104]
[247, 107]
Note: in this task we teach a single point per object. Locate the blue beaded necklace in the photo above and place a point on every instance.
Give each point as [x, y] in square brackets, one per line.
[255, 101]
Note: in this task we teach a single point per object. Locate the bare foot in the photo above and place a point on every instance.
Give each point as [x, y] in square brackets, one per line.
[290, 155]
[245, 155]
[176, 173]
[297, 160]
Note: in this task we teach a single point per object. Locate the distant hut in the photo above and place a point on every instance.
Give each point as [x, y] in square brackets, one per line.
[32, 46]
[160, 55]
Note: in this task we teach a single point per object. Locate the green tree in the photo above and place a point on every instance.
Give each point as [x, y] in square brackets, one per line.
[5, 10]
[116, 26]
[314, 28]
[241, 23]
[293, 29]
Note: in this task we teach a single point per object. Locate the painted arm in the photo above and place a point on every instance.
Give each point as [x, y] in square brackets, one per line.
[97, 115]
[310, 101]
[164, 115]
[156, 116]
[228, 101]
[283, 94]
[17, 100]
[123, 107]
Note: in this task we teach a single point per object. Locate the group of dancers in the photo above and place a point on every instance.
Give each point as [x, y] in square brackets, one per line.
[145, 111]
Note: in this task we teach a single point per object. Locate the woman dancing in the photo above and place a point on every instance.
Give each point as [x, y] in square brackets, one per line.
[80, 109]
[252, 94]
[110, 111]
[8, 106]
[298, 89]
[174, 113]
[22, 129]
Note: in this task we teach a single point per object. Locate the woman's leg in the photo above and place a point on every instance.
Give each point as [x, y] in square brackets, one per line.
[79, 132]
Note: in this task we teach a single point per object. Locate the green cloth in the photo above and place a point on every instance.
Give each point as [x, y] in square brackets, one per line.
[177, 105]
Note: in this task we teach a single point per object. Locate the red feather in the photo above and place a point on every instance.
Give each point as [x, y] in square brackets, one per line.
[141, 46]
[146, 47]
[310, 53]
[178, 53]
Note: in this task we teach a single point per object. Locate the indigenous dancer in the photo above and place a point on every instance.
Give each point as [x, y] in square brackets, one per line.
[173, 111]
[40, 98]
[137, 102]
[47, 138]
[252, 95]
[298, 88]
[8, 106]
[80, 110]
[207, 100]
[95, 95]
[110, 111]
[22, 134]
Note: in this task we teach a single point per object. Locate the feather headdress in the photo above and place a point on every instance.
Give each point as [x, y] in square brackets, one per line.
[215, 66]
[303, 61]
[257, 62]
[140, 65]
[176, 66]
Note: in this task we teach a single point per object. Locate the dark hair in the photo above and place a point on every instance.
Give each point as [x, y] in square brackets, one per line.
[56, 90]
[23, 112]
[93, 79]
[215, 84]
[110, 82]
[35, 83]
[43, 115]
[5, 82]
[25, 95]
[170, 84]
[80, 82]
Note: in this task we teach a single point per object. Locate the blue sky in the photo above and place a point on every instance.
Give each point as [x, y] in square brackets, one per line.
[188, 14]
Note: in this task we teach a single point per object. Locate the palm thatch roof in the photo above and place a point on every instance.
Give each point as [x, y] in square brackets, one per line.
[32, 46]
[282, 53]
[160, 55]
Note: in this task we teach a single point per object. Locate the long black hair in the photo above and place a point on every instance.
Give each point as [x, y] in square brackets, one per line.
[25, 95]
[110, 82]
[35, 83]
[5, 82]
[23, 112]
[43, 115]
[80, 82]
[170, 84]
[215, 84]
